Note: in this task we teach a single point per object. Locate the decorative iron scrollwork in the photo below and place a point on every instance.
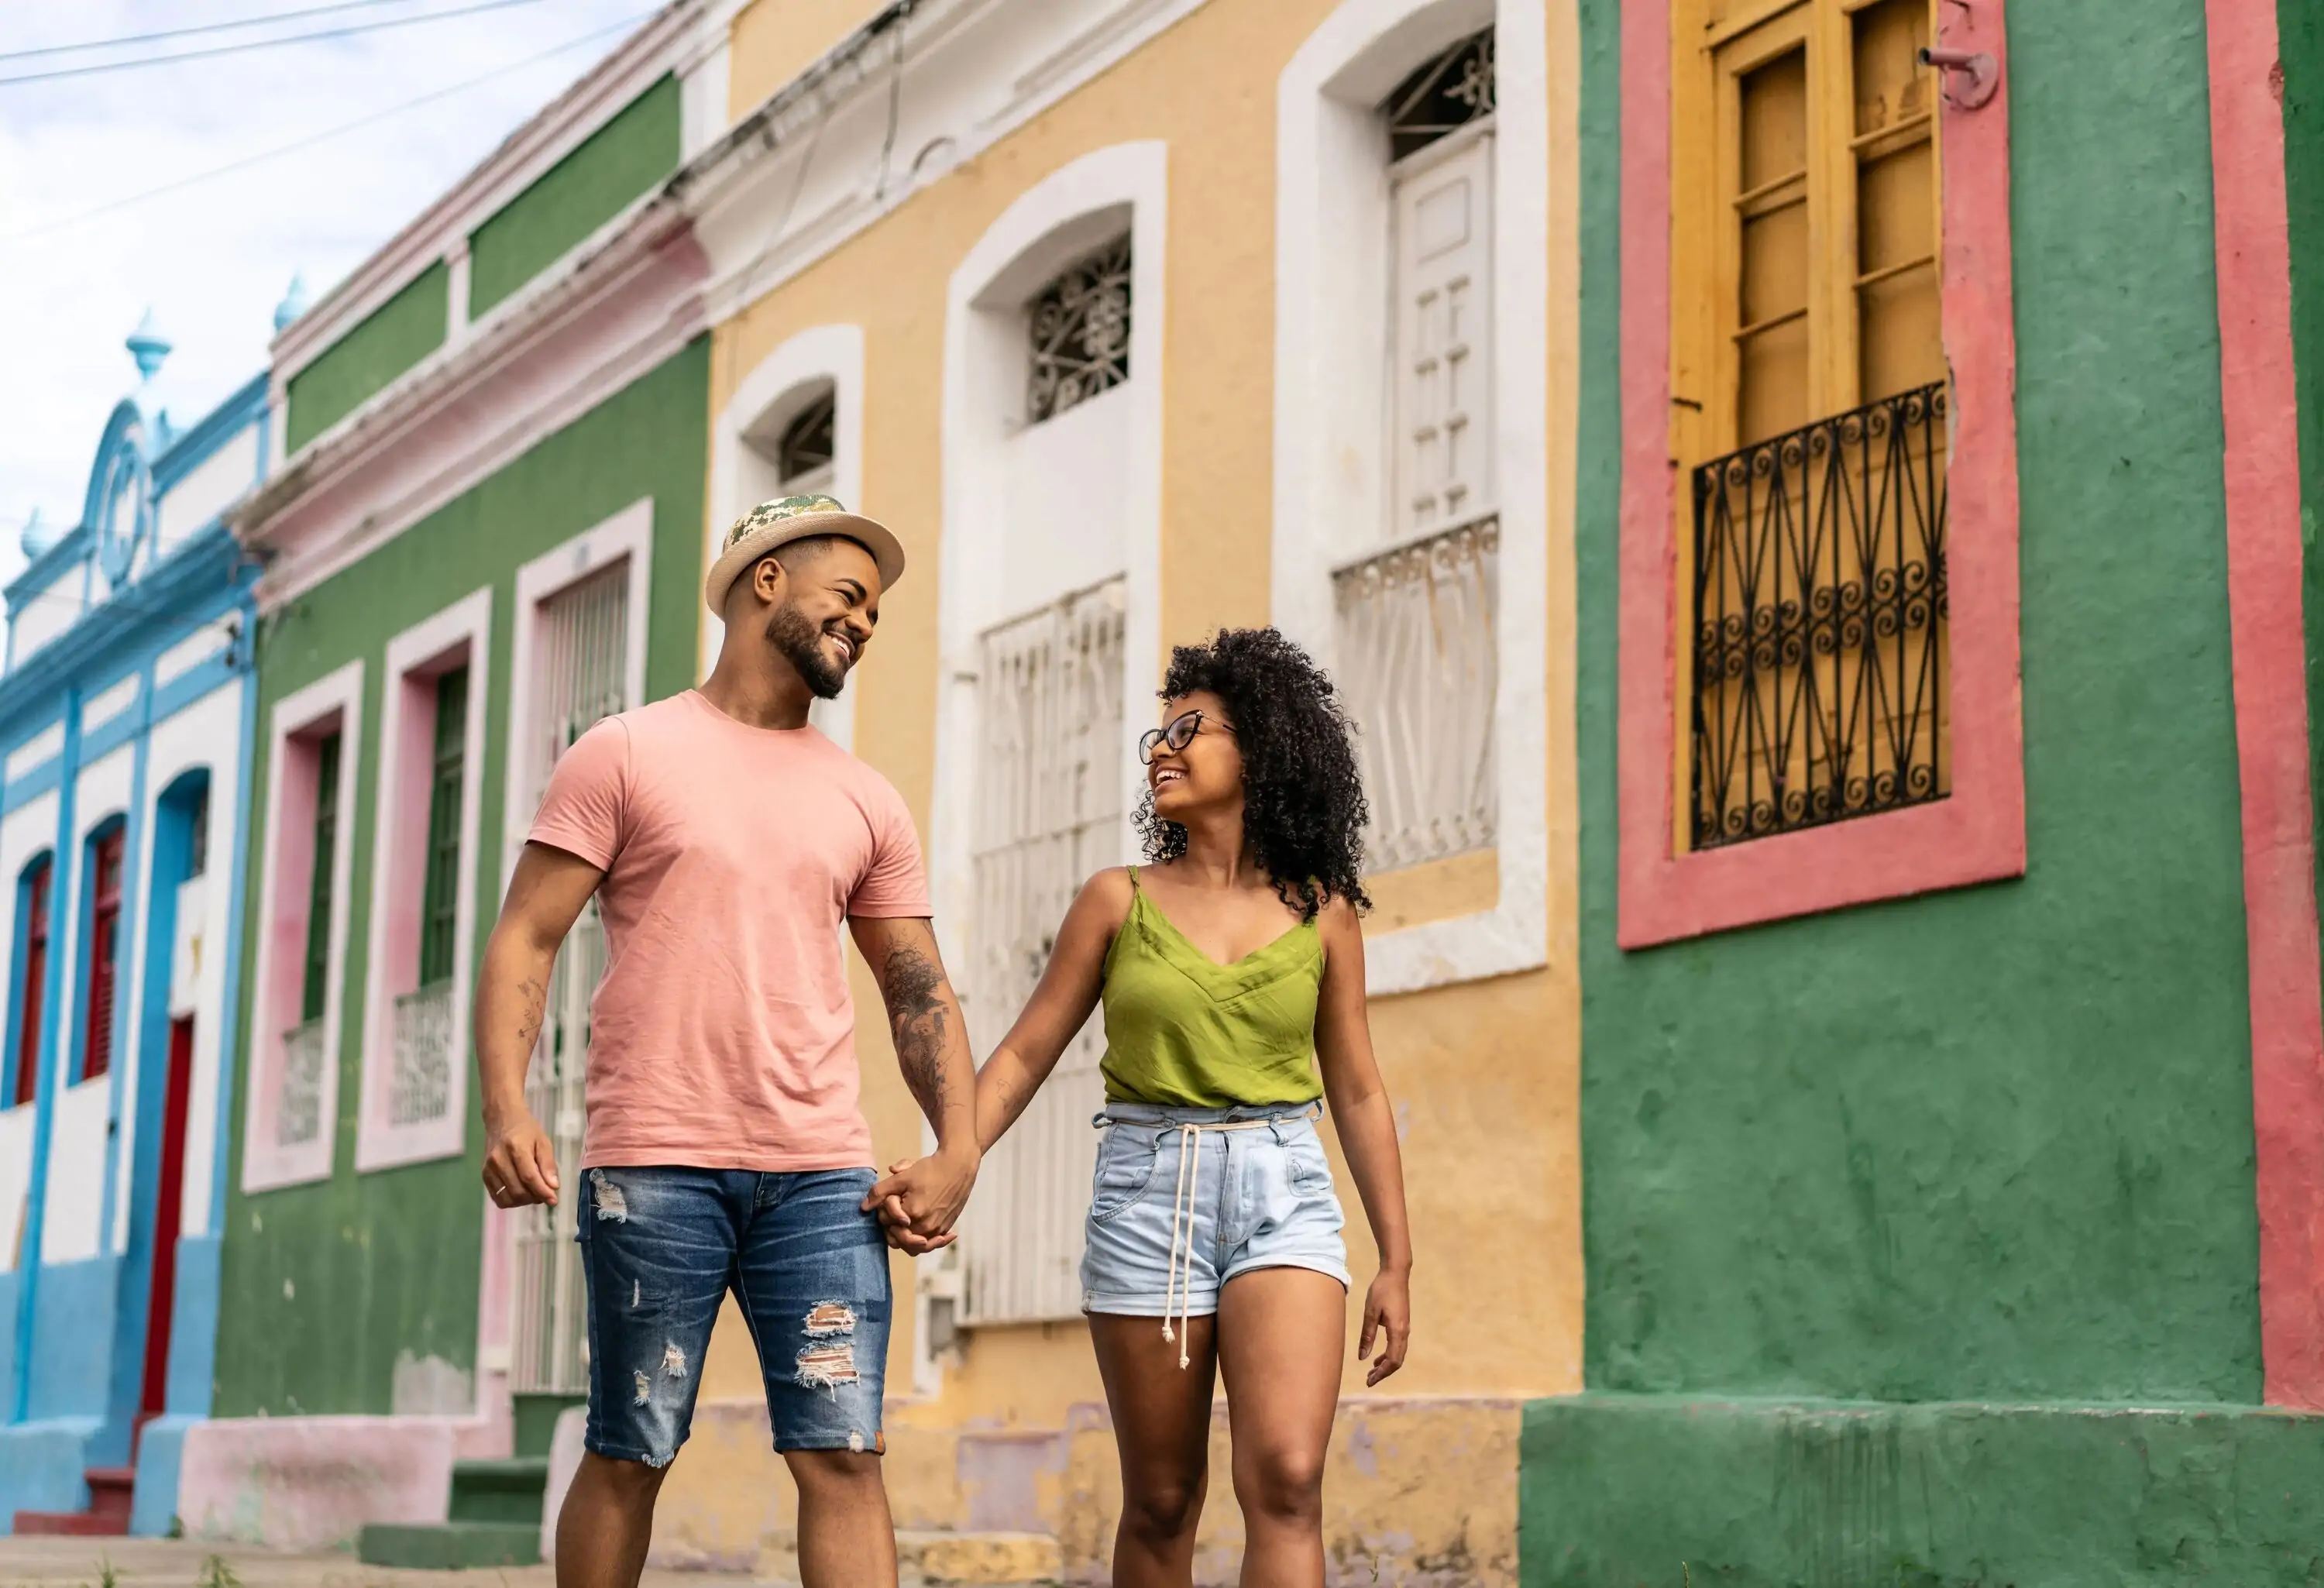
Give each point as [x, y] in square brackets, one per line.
[1081, 333]
[1820, 689]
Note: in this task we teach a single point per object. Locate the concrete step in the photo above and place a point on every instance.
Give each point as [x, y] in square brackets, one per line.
[448, 1545]
[505, 1491]
[945, 1558]
[536, 1419]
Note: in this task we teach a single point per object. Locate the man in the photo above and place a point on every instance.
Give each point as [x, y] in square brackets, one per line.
[725, 839]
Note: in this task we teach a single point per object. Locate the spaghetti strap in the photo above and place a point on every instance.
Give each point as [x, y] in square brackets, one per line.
[1133, 877]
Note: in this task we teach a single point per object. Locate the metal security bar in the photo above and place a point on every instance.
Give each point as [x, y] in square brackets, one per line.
[582, 647]
[422, 1089]
[1418, 660]
[299, 1108]
[1048, 813]
[1820, 615]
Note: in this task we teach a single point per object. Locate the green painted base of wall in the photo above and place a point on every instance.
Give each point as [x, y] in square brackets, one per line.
[450, 1546]
[1644, 1491]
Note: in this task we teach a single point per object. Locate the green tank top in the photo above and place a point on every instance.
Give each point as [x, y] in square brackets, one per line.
[1185, 1031]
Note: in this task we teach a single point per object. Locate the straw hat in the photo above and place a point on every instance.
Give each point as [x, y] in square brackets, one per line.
[774, 525]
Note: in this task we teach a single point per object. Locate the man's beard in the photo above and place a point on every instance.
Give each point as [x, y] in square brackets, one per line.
[791, 633]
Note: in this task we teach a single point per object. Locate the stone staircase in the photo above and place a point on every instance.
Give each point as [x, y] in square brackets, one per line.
[107, 1517]
[494, 1516]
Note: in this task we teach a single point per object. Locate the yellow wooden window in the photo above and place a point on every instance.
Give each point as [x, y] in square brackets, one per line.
[1807, 375]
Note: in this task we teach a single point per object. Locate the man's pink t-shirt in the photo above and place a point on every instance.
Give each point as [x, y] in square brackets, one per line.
[723, 1036]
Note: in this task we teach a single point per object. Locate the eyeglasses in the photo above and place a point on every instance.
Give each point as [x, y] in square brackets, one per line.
[1176, 736]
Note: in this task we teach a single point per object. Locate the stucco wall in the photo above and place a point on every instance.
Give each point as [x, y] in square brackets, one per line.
[635, 149]
[1994, 1143]
[326, 1285]
[392, 338]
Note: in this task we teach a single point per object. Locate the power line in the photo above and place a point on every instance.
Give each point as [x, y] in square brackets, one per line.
[316, 37]
[207, 27]
[312, 139]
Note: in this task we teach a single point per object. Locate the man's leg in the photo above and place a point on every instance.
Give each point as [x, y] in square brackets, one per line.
[846, 1539]
[656, 1251]
[813, 1278]
[607, 1522]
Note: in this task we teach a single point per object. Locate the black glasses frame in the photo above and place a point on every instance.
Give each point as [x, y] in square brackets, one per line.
[1191, 722]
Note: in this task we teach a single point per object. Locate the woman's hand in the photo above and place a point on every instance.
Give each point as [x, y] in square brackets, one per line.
[1388, 1310]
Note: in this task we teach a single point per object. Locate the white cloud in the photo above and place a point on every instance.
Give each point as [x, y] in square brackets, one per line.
[213, 259]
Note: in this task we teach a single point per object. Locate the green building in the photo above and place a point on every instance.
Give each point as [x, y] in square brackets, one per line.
[483, 533]
[1952, 1111]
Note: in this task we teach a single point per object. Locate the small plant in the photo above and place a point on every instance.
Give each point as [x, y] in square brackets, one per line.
[217, 1574]
[107, 1577]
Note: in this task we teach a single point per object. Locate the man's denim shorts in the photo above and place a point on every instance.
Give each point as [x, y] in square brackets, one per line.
[1262, 1198]
[660, 1247]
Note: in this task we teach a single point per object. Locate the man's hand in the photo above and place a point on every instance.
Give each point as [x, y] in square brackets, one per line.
[920, 1198]
[520, 1163]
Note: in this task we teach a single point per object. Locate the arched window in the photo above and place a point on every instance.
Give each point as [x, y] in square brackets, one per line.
[32, 913]
[101, 974]
[805, 454]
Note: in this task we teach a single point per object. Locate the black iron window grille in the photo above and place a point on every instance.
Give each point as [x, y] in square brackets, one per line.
[1080, 327]
[1819, 624]
[1442, 97]
[807, 445]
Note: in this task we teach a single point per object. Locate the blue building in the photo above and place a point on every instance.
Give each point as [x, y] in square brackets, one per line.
[126, 710]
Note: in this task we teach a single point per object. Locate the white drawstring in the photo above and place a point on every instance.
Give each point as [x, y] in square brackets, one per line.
[1179, 1291]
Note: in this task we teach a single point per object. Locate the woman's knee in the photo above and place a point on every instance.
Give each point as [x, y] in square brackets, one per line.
[1282, 1485]
[1160, 1508]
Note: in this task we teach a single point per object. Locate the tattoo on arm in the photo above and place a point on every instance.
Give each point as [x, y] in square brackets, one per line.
[534, 995]
[912, 985]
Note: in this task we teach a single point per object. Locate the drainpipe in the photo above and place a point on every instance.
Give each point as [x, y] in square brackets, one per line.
[63, 874]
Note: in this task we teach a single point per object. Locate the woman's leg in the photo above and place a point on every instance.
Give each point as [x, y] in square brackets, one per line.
[1282, 1332]
[1162, 1428]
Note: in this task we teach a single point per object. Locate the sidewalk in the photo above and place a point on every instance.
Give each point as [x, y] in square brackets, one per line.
[153, 1563]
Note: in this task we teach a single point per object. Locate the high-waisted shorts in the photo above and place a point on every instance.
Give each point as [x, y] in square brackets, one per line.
[1188, 1199]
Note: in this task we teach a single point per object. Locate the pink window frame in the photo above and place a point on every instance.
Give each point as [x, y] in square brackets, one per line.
[1977, 833]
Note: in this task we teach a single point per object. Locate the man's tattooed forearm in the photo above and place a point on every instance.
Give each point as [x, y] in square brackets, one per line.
[534, 995]
[912, 985]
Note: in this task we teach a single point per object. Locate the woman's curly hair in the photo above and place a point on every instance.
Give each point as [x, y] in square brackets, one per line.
[1303, 811]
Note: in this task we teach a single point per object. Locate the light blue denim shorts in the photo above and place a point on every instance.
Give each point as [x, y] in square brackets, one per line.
[1258, 1196]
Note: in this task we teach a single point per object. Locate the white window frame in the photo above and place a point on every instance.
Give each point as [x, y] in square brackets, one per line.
[399, 881]
[1332, 184]
[820, 356]
[1075, 207]
[266, 1165]
[628, 533]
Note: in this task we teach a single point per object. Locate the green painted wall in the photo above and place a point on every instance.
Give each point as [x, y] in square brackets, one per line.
[392, 338]
[2300, 27]
[581, 192]
[324, 1285]
[1830, 1495]
[1995, 1143]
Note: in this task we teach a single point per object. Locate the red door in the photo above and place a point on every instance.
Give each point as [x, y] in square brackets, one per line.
[36, 985]
[168, 1191]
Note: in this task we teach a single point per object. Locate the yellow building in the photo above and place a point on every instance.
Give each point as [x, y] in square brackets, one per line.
[1136, 318]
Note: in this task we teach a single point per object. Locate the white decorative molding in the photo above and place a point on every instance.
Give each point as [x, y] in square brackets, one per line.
[973, 71]
[741, 477]
[110, 702]
[335, 698]
[34, 752]
[197, 648]
[1074, 208]
[628, 534]
[523, 159]
[1330, 370]
[459, 636]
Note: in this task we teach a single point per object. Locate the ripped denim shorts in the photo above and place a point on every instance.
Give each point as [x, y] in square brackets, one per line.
[660, 1247]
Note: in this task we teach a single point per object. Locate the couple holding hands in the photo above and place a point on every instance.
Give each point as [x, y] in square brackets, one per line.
[725, 840]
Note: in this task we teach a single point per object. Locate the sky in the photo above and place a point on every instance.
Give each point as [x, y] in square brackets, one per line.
[212, 257]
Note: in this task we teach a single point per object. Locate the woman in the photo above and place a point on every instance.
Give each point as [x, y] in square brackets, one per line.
[1231, 969]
